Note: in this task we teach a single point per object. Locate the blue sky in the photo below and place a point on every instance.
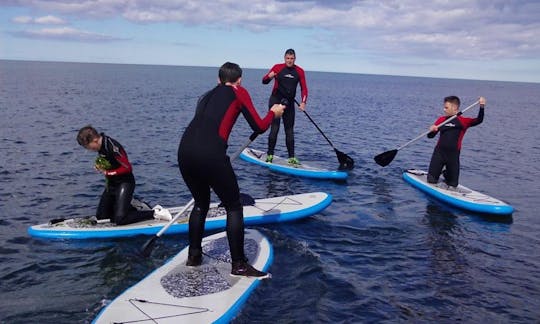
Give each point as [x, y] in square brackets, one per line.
[482, 39]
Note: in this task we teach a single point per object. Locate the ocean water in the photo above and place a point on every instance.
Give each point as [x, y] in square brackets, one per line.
[381, 252]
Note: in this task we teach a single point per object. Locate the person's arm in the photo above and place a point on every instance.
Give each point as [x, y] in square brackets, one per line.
[119, 154]
[480, 118]
[303, 88]
[270, 75]
[434, 129]
[249, 112]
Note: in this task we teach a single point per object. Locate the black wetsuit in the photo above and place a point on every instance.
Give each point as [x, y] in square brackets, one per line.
[448, 148]
[204, 164]
[286, 82]
[115, 202]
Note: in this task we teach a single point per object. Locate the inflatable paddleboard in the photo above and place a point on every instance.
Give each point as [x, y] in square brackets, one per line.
[461, 197]
[280, 165]
[262, 211]
[176, 293]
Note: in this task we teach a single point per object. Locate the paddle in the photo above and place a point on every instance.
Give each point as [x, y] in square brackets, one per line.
[149, 245]
[385, 158]
[345, 161]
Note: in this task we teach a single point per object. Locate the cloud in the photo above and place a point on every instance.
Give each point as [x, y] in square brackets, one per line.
[65, 34]
[467, 29]
[44, 20]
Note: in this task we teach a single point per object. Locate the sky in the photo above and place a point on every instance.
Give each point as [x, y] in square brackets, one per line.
[464, 39]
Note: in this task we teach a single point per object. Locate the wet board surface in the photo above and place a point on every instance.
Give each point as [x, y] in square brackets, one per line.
[176, 293]
[281, 165]
[461, 197]
[263, 211]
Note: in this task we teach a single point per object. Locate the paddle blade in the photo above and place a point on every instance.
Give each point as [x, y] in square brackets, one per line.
[385, 158]
[148, 247]
[345, 161]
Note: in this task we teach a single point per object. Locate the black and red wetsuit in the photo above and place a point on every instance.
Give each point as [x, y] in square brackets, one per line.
[448, 148]
[204, 164]
[115, 202]
[285, 84]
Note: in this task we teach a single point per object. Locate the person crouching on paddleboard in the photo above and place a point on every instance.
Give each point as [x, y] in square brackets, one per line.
[112, 161]
[204, 164]
[448, 147]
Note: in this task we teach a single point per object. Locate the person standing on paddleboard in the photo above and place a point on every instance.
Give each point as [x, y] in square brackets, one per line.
[204, 164]
[448, 148]
[113, 163]
[286, 77]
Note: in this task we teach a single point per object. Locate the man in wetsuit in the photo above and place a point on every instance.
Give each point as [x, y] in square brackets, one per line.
[448, 148]
[204, 164]
[286, 77]
[115, 202]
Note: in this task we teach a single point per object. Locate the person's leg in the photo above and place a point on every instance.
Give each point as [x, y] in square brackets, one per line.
[272, 136]
[452, 169]
[226, 187]
[435, 166]
[200, 190]
[122, 208]
[288, 125]
[106, 205]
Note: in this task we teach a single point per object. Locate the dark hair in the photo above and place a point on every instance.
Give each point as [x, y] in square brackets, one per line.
[290, 51]
[86, 135]
[453, 99]
[229, 72]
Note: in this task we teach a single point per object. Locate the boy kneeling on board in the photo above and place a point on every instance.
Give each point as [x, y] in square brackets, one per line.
[448, 148]
[113, 163]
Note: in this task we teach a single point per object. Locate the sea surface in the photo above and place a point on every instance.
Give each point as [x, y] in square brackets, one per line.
[382, 252]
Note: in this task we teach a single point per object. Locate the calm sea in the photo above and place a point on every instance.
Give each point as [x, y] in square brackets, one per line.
[382, 252]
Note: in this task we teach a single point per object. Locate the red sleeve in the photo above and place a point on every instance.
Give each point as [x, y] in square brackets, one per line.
[125, 166]
[303, 83]
[266, 79]
[250, 113]
[440, 120]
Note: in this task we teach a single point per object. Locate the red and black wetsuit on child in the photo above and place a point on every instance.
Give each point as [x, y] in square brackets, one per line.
[448, 148]
[115, 202]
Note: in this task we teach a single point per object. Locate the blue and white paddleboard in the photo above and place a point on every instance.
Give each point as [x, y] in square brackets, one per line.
[263, 211]
[461, 197]
[176, 293]
[280, 165]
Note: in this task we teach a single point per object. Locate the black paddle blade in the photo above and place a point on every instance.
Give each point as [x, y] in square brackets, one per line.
[345, 161]
[385, 158]
[148, 247]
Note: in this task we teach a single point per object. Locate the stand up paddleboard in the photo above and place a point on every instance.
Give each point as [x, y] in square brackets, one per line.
[262, 211]
[280, 165]
[461, 197]
[176, 293]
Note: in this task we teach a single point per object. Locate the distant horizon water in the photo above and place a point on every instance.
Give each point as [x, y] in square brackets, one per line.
[267, 68]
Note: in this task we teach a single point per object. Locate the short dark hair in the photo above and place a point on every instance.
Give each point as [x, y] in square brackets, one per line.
[453, 99]
[290, 51]
[229, 72]
[86, 135]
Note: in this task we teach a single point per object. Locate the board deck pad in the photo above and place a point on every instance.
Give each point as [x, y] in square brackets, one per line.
[176, 293]
[460, 196]
[263, 211]
[280, 164]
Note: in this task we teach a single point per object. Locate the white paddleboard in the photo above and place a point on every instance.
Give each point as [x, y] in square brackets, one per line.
[461, 196]
[263, 211]
[279, 164]
[176, 293]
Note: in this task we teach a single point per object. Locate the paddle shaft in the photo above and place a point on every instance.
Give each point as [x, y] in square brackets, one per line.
[444, 122]
[192, 201]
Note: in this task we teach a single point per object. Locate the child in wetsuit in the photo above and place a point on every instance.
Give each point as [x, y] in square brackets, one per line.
[112, 161]
[448, 148]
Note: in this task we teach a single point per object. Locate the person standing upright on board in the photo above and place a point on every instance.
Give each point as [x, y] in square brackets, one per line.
[204, 164]
[113, 163]
[286, 77]
[448, 147]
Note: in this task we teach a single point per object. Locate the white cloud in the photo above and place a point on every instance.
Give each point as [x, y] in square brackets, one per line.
[470, 29]
[44, 20]
[66, 34]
